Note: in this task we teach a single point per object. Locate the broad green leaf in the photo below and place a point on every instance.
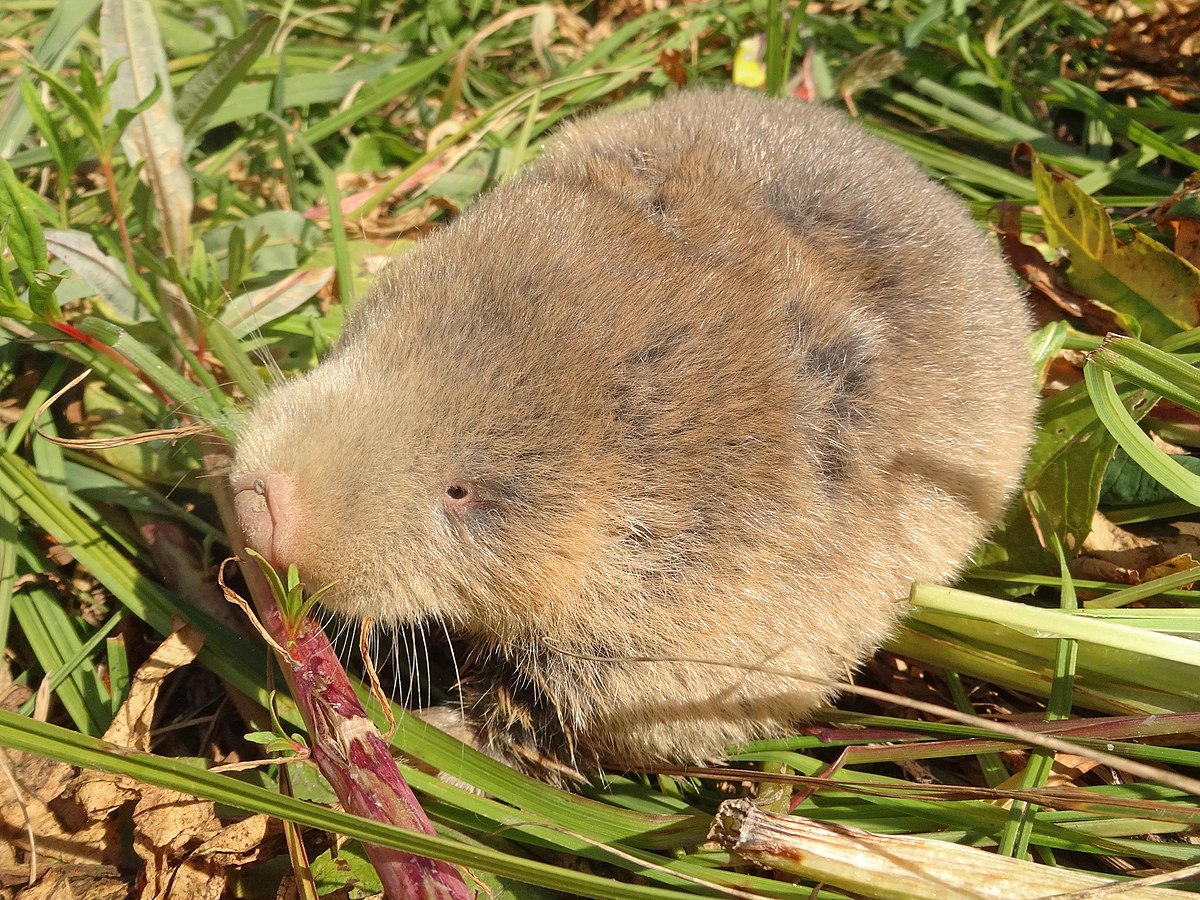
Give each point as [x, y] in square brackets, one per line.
[11, 304]
[37, 112]
[21, 233]
[1065, 469]
[1153, 288]
[25, 238]
[1128, 484]
[79, 252]
[284, 239]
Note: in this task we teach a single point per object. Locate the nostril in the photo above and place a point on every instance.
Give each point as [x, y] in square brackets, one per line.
[265, 508]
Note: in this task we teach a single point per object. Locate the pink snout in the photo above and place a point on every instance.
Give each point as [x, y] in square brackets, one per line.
[266, 508]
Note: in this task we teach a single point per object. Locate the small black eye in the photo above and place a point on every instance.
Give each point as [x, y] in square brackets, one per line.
[457, 492]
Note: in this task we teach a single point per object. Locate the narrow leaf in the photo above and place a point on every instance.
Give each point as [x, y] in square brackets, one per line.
[40, 115]
[129, 32]
[1136, 442]
[255, 309]
[1150, 368]
[226, 68]
[73, 101]
[25, 238]
[63, 27]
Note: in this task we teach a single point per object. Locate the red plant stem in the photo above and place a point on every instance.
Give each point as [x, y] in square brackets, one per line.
[355, 760]
[345, 743]
[88, 341]
[114, 199]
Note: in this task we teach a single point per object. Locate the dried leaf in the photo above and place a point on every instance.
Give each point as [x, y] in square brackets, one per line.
[1181, 212]
[168, 828]
[31, 801]
[131, 725]
[129, 35]
[868, 70]
[671, 62]
[897, 867]
[1043, 278]
[60, 883]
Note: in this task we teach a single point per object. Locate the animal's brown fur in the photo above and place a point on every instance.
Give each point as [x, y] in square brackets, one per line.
[721, 378]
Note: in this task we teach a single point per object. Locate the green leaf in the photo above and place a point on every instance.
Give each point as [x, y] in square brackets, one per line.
[1150, 368]
[226, 69]
[255, 309]
[123, 116]
[11, 304]
[1065, 469]
[40, 116]
[58, 37]
[194, 399]
[234, 359]
[281, 238]
[1081, 97]
[20, 733]
[129, 32]
[1137, 443]
[107, 276]
[1154, 290]
[25, 238]
[1128, 484]
[75, 102]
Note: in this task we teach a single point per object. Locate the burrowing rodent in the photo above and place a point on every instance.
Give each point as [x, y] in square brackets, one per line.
[718, 378]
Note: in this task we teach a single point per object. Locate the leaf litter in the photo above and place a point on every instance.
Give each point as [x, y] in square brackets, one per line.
[79, 819]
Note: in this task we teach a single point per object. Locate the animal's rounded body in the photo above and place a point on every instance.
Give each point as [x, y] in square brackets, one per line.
[713, 380]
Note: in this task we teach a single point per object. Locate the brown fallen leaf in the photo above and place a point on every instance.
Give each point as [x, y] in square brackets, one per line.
[131, 725]
[1181, 213]
[76, 883]
[75, 818]
[1115, 553]
[1152, 47]
[168, 828]
[671, 62]
[1044, 280]
[35, 800]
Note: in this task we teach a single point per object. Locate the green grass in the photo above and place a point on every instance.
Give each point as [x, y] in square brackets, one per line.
[439, 102]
